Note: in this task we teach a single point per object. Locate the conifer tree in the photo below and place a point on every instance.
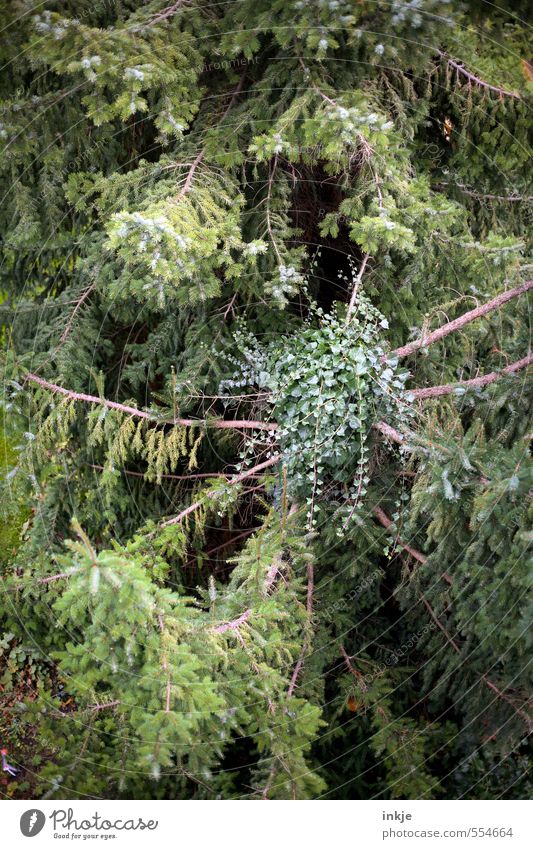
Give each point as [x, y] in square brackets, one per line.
[265, 399]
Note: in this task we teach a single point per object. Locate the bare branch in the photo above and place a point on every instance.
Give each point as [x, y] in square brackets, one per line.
[187, 184]
[142, 414]
[234, 624]
[382, 517]
[390, 432]
[502, 92]
[356, 287]
[54, 577]
[466, 318]
[305, 646]
[237, 479]
[384, 520]
[483, 380]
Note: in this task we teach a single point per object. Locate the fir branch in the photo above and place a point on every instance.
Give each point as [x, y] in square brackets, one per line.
[188, 181]
[513, 198]
[164, 667]
[142, 414]
[416, 438]
[305, 646]
[187, 239]
[234, 624]
[237, 479]
[462, 71]
[490, 684]
[366, 149]
[387, 523]
[384, 520]
[457, 323]
[474, 383]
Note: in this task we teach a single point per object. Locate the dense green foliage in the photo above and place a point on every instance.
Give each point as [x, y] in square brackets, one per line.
[248, 550]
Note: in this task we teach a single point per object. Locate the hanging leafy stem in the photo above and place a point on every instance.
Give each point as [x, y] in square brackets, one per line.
[327, 389]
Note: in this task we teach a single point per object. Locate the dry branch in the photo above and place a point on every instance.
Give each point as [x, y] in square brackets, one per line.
[502, 92]
[475, 382]
[234, 624]
[237, 479]
[390, 432]
[142, 414]
[309, 606]
[466, 318]
[384, 520]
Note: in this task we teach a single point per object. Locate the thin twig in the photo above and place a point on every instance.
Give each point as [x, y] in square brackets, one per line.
[192, 476]
[54, 577]
[356, 287]
[165, 14]
[358, 675]
[232, 541]
[79, 302]
[271, 173]
[188, 181]
[237, 479]
[104, 705]
[386, 521]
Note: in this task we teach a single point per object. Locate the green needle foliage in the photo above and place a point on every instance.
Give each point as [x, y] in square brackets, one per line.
[265, 535]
